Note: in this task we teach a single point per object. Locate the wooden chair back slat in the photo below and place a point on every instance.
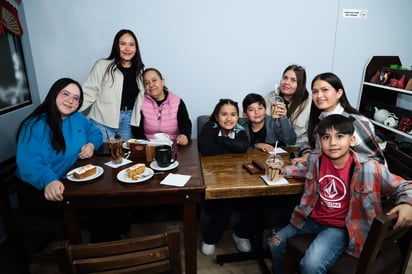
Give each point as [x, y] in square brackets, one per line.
[121, 261]
[147, 254]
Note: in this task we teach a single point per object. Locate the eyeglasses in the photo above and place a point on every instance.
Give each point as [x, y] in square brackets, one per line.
[67, 97]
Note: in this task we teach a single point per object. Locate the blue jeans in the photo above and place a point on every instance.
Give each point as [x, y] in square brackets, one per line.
[124, 130]
[322, 253]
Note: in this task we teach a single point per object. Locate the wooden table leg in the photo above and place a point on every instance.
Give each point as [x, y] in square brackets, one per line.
[190, 236]
[72, 225]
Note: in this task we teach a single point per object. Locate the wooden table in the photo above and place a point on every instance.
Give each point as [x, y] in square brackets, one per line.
[225, 177]
[106, 191]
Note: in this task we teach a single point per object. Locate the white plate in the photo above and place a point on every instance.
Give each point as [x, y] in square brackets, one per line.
[140, 142]
[155, 166]
[99, 171]
[146, 175]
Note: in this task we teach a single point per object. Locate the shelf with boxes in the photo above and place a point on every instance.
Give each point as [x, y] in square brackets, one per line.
[394, 76]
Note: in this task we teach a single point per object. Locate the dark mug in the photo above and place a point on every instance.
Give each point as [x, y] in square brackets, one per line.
[165, 155]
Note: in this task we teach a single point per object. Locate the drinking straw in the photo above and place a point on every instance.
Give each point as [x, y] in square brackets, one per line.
[276, 147]
[108, 137]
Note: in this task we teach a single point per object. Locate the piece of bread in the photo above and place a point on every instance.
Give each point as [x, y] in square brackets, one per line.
[134, 171]
[84, 171]
[131, 143]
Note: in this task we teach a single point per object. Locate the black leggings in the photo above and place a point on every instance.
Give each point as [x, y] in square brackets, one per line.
[32, 200]
[104, 224]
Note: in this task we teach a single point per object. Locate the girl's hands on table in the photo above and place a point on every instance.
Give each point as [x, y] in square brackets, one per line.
[54, 191]
[86, 151]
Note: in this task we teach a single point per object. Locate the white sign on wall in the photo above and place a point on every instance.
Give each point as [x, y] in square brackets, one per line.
[355, 13]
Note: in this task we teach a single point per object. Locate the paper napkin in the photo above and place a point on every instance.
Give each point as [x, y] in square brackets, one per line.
[278, 151]
[124, 162]
[281, 181]
[175, 180]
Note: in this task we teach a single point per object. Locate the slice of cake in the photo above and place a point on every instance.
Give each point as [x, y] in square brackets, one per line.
[134, 171]
[84, 171]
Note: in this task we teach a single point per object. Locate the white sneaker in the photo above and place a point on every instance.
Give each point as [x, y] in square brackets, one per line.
[242, 244]
[207, 249]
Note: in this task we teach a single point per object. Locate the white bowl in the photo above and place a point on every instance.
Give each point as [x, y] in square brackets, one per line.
[161, 136]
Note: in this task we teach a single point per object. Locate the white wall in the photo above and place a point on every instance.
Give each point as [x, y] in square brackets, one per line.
[386, 31]
[217, 48]
[205, 49]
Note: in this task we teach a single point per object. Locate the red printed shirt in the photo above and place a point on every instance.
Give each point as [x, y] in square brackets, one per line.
[333, 203]
[370, 179]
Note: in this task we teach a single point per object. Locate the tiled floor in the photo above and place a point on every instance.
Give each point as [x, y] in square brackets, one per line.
[206, 264]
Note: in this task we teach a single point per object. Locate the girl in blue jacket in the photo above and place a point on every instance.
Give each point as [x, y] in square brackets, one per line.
[49, 142]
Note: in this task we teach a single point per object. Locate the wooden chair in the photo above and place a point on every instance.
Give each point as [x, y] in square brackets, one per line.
[148, 254]
[28, 234]
[386, 251]
[398, 161]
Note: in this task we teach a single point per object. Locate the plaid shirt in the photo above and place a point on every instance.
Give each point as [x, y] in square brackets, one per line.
[364, 133]
[370, 179]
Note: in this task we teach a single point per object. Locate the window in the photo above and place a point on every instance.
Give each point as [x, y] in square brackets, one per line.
[14, 89]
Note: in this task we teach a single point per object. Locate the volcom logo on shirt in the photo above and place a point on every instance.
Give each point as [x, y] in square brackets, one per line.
[332, 191]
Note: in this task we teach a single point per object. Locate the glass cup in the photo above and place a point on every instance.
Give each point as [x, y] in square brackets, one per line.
[274, 100]
[273, 168]
[115, 148]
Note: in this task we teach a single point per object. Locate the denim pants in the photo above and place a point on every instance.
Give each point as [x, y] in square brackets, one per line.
[322, 253]
[124, 130]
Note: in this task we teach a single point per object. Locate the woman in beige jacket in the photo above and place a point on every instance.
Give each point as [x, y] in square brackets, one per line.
[113, 91]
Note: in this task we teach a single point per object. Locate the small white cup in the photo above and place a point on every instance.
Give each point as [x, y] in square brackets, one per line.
[161, 136]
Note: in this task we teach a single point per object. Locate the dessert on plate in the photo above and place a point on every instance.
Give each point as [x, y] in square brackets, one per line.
[134, 171]
[84, 171]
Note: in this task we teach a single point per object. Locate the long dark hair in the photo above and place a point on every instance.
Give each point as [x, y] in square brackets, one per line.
[314, 120]
[299, 97]
[115, 54]
[219, 106]
[54, 117]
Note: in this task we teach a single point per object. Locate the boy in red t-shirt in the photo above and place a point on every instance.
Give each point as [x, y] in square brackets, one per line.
[341, 198]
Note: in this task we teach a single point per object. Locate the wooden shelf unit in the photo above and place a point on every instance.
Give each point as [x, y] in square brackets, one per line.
[385, 97]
